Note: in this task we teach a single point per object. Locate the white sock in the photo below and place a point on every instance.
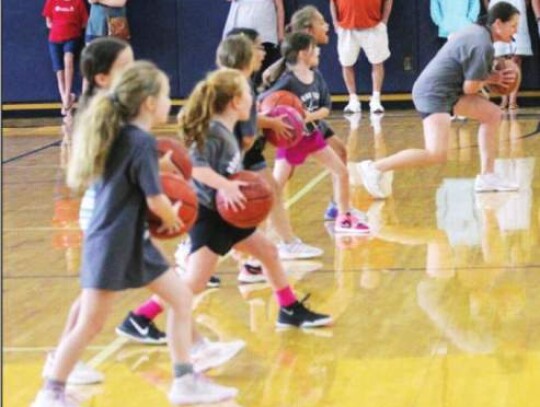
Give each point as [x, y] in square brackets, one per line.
[353, 97]
[376, 96]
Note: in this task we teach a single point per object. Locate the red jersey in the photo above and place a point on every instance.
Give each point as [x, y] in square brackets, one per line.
[358, 14]
[68, 18]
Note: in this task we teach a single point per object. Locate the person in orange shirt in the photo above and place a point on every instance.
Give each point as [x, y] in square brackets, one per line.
[361, 24]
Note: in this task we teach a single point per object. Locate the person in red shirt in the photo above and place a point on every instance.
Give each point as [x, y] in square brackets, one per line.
[361, 24]
[66, 20]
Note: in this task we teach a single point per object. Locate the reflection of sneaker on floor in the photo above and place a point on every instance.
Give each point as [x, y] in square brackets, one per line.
[354, 120]
[297, 250]
[81, 374]
[373, 179]
[331, 211]
[298, 269]
[493, 183]
[354, 106]
[49, 398]
[208, 355]
[350, 224]
[375, 121]
[250, 274]
[297, 315]
[141, 329]
[197, 389]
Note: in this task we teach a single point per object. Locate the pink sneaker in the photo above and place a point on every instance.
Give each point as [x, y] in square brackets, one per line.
[350, 224]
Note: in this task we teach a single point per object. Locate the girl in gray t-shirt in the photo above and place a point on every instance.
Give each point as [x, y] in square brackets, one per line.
[451, 84]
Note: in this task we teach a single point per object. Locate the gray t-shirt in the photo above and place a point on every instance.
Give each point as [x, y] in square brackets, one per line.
[221, 153]
[314, 95]
[248, 128]
[467, 56]
[117, 252]
[97, 21]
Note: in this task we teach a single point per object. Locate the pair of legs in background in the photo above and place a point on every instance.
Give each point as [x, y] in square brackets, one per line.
[436, 136]
[63, 60]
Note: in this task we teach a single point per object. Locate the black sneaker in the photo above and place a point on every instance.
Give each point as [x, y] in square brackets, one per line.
[214, 282]
[141, 329]
[299, 316]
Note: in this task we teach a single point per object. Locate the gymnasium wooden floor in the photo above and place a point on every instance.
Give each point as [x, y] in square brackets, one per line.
[439, 308]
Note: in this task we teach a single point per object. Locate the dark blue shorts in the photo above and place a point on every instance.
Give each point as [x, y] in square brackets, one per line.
[59, 49]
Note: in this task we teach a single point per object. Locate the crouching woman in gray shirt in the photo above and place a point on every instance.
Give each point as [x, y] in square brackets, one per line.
[450, 85]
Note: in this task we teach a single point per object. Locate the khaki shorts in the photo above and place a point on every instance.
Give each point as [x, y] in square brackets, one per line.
[374, 42]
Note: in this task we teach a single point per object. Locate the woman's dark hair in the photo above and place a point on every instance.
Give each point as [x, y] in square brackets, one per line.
[248, 32]
[98, 57]
[293, 44]
[501, 11]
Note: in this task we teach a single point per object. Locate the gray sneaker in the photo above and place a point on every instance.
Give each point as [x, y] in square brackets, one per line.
[297, 250]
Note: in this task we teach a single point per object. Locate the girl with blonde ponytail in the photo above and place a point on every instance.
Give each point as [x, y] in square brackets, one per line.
[118, 254]
[207, 123]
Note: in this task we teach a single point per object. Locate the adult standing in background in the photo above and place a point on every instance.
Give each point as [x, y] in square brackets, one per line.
[361, 24]
[521, 47]
[66, 20]
[453, 15]
[101, 12]
[267, 17]
[536, 9]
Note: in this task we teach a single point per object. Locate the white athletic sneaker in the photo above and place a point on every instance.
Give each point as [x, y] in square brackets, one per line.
[375, 106]
[213, 354]
[354, 106]
[81, 374]
[493, 183]
[49, 398]
[373, 180]
[297, 250]
[197, 389]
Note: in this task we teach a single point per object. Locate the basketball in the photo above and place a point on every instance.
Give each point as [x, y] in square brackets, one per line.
[500, 90]
[259, 199]
[279, 98]
[293, 119]
[180, 155]
[176, 189]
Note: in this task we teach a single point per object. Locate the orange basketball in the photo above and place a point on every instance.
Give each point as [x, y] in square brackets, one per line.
[259, 199]
[180, 155]
[176, 189]
[282, 97]
[500, 90]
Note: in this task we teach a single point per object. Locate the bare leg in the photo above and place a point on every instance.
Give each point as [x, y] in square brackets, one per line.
[436, 134]
[68, 78]
[175, 292]
[489, 116]
[94, 309]
[377, 76]
[61, 88]
[349, 76]
[330, 160]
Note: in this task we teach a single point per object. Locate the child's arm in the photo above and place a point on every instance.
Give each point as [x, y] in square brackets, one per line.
[162, 207]
[48, 22]
[230, 189]
[166, 164]
[318, 114]
[333, 14]
[277, 124]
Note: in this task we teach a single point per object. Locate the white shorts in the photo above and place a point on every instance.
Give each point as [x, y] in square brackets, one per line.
[374, 42]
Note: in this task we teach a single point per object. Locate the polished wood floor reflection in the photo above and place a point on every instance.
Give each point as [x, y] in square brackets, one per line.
[438, 308]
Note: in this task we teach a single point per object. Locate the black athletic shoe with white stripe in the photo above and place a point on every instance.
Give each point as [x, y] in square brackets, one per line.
[297, 315]
[141, 329]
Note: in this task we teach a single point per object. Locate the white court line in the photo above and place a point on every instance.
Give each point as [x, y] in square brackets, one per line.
[107, 351]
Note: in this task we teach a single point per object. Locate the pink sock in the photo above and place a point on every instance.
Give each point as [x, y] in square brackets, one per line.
[150, 309]
[285, 296]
